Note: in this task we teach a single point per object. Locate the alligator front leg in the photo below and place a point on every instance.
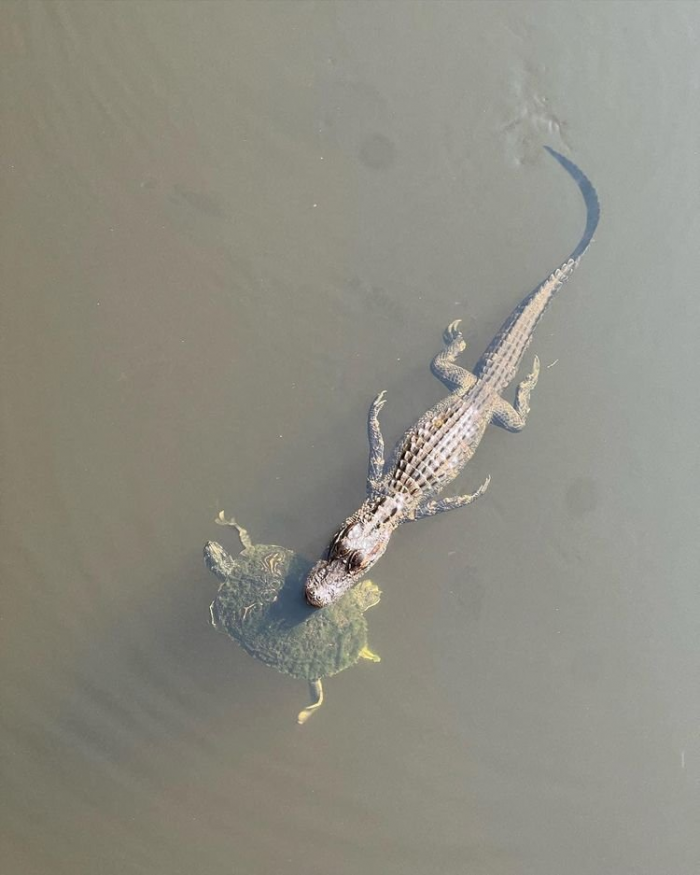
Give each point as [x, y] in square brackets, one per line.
[376, 444]
[430, 508]
[443, 365]
[513, 417]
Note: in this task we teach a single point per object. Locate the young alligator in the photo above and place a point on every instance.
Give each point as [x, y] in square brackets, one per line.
[436, 448]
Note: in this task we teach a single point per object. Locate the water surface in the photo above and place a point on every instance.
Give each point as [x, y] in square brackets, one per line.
[226, 227]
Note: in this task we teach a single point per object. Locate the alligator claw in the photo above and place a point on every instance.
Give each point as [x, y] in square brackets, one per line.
[379, 401]
[452, 332]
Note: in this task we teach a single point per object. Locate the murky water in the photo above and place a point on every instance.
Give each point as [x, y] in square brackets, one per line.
[226, 227]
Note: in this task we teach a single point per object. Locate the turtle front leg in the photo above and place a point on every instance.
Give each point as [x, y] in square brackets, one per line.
[316, 692]
[375, 468]
[221, 520]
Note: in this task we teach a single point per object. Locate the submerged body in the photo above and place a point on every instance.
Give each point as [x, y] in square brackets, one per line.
[436, 448]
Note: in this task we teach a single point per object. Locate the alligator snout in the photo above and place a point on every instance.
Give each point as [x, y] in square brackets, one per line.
[327, 581]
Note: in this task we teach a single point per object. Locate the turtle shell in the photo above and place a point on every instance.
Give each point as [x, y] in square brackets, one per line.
[261, 605]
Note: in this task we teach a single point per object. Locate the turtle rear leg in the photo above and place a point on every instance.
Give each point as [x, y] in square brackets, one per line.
[443, 365]
[316, 692]
[366, 653]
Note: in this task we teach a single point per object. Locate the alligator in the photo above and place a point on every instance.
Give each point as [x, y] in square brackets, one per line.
[435, 449]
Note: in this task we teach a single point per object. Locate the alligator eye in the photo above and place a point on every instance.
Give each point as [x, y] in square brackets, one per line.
[355, 560]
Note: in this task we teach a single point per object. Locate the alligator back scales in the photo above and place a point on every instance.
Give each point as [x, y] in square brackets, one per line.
[435, 449]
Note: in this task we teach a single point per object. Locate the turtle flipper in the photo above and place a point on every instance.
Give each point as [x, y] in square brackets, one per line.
[242, 533]
[366, 653]
[316, 691]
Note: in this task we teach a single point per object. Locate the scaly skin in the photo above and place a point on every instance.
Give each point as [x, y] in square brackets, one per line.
[436, 448]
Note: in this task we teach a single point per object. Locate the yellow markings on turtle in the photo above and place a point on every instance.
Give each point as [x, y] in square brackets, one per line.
[246, 609]
[366, 653]
[370, 592]
[274, 561]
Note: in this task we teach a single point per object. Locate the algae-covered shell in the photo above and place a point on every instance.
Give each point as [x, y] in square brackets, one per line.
[261, 605]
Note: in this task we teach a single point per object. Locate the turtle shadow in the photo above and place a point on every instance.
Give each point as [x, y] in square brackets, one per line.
[291, 609]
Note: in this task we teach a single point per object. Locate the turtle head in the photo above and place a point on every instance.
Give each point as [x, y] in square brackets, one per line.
[368, 594]
[218, 561]
[355, 548]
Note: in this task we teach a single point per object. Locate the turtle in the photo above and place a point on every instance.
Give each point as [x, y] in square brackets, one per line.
[261, 605]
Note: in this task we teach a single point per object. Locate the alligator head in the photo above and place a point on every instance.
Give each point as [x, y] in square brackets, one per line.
[356, 546]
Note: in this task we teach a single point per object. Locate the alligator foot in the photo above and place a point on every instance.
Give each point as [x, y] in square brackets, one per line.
[443, 365]
[430, 508]
[513, 417]
[376, 444]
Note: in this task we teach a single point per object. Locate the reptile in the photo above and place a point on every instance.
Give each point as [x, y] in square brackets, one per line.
[437, 447]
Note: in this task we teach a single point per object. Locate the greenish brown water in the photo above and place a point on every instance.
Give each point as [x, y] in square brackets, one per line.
[227, 226]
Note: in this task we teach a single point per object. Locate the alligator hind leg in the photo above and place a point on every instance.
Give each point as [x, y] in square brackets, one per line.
[443, 365]
[316, 690]
[430, 508]
[513, 417]
[376, 444]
